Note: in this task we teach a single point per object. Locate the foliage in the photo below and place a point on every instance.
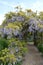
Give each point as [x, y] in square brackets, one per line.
[29, 25]
[9, 15]
[3, 44]
[6, 57]
[14, 45]
[14, 25]
[41, 15]
[40, 47]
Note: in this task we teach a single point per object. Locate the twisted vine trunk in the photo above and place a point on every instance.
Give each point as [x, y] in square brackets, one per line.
[35, 38]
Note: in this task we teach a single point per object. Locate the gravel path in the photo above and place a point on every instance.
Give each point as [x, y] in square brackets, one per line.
[33, 57]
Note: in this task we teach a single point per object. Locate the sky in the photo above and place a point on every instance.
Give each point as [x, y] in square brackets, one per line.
[8, 5]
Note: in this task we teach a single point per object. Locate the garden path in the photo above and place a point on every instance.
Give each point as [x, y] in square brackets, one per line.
[33, 56]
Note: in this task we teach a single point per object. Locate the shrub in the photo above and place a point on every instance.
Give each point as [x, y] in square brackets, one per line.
[3, 44]
[40, 47]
